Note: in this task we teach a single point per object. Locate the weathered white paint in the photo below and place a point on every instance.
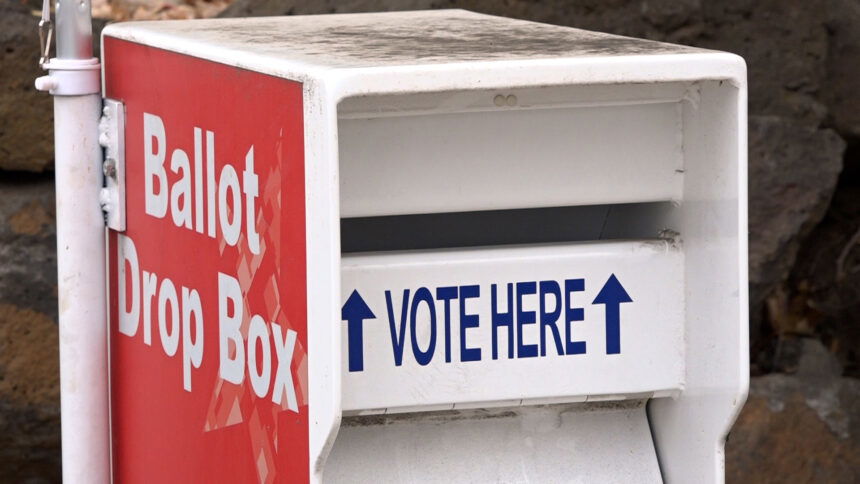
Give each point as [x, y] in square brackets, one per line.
[82, 291]
[577, 443]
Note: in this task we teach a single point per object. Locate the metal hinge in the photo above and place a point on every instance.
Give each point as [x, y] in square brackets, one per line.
[112, 138]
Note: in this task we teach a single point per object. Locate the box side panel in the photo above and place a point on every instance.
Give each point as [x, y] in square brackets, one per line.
[690, 431]
[208, 314]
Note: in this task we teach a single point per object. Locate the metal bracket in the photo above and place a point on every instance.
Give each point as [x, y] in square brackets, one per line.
[112, 138]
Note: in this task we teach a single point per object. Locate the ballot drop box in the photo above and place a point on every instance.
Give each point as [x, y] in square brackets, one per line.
[422, 247]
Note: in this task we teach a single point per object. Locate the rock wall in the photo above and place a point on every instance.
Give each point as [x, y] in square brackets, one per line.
[803, 427]
[29, 375]
[26, 116]
[800, 423]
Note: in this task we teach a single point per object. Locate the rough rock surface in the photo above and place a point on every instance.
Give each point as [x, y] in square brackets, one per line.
[157, 10]
[843, 66]
[28, 274]
[793, 170]
[799, 428]
[823, 295]
[29, 373]
[26, 116]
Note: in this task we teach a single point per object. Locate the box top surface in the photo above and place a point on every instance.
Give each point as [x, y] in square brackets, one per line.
[384, 40]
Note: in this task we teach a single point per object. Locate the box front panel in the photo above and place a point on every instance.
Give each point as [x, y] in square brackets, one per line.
[506, 326]
[208, 314]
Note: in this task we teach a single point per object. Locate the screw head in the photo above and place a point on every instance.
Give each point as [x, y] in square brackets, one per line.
[109, 167]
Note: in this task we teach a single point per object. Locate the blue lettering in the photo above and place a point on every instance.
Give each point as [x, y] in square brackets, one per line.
[571, 315]
[468, 321]
[446, 294]
[502, 319]
[523, 318]
[550, 319]
[397, 340]
[423, 295]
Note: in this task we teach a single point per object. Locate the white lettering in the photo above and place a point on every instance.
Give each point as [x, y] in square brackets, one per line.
[229, 228]
[128, 316]
[173, 330]
[153, 131]
[210, 182]
[260, 377]
[229, 292]
[251, 188]
[224, 191]
[181, 190]
[167, 294]
[198, 180]
[284, 377]
[150, 284]
[192, 351]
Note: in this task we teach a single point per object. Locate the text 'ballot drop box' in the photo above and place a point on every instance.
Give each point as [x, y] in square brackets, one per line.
[423, 247]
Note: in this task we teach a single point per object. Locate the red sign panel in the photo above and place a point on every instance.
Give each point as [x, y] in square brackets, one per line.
[208, 337]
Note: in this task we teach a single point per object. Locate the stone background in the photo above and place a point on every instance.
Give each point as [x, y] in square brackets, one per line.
[802, 420]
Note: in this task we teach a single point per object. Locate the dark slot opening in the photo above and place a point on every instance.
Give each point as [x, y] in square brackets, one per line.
[507, 227]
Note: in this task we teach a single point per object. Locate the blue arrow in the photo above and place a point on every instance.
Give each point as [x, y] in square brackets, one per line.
[612, 295]
[354, 312]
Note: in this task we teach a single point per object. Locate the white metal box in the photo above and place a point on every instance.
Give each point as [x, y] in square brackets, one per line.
[505, 250]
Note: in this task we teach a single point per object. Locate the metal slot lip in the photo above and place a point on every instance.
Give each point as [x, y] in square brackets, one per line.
[508, 227]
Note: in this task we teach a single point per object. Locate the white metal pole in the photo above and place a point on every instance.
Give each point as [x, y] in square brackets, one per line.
[81, 288]
[74, 81]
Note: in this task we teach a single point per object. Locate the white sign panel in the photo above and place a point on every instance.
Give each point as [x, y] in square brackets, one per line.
[469, 327]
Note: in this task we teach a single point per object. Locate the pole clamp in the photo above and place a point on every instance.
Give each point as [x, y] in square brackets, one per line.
[71, 77]
[112, 138]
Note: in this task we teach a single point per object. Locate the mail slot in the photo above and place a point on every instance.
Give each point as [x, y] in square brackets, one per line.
[423, 247]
